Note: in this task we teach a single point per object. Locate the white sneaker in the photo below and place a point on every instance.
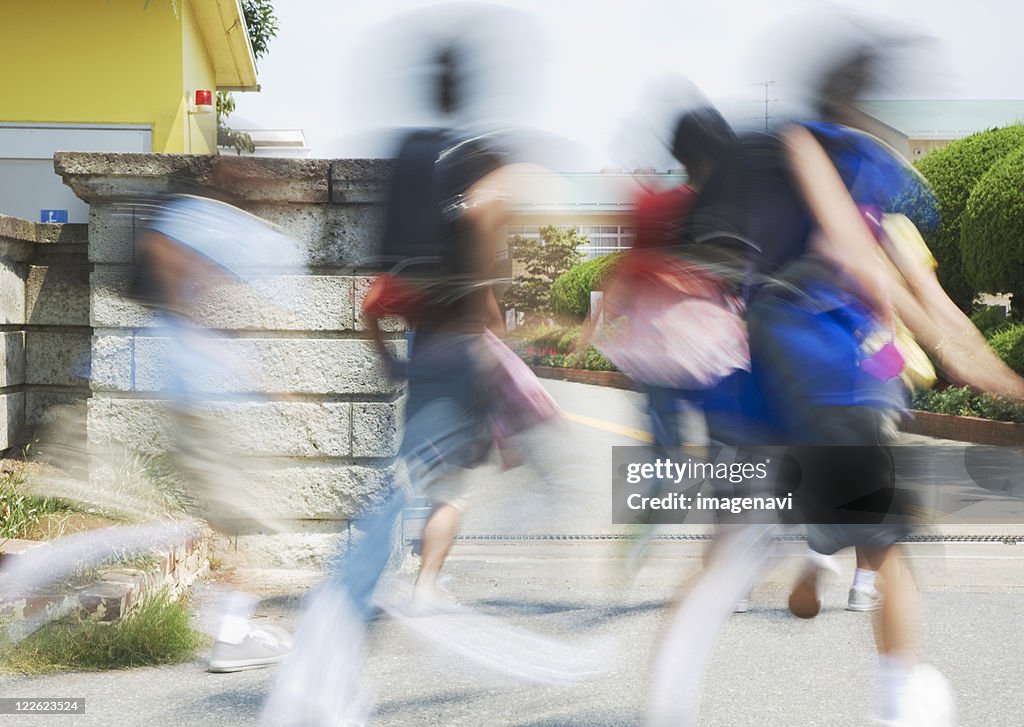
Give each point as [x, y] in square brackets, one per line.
[261, 647]
[433, 599]
[927, 701]
[863, 598]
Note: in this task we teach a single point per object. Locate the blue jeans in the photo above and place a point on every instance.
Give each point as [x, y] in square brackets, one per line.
[445, 427]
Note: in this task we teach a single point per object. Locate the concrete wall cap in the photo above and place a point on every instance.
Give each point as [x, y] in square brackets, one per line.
[15, 228]
[98, 175]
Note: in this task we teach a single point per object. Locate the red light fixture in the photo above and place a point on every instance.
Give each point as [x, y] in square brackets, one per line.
[204, 97]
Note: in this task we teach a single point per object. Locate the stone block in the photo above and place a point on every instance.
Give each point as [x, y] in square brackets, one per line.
[315, 490]
[275, 365]
[12, 419]
[250, 428]
[305, 545]
[358, 181]
[331, 236]
[55, 408]
[111, 364]
[106, 601]
[144, 426]
[112, 231]
[310, 303]
[271, 303]
[353, 236]
[15, 228]
[62, 234]
[12, 293]
[12, 372]
[376, 428]
[58, 295]
[56, 358]
[338, 236]
[111, 306]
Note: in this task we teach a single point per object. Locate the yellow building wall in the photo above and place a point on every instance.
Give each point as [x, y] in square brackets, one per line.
[197, 72]
[104, 61]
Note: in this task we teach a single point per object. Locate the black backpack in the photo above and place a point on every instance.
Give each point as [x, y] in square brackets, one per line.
[424, 233]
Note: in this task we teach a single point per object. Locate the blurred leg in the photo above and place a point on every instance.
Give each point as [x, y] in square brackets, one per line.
[438, 537]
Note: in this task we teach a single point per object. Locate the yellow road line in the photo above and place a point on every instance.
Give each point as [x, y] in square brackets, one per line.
[637, 434]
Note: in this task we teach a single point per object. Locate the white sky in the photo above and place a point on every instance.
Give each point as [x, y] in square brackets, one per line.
[600, 54]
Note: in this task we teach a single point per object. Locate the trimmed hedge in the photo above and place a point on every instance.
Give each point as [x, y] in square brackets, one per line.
[992, 230]
[953, 172]
[965, 403]
[570, 293]
[990, 320]
[553, 346]
[1008, 344]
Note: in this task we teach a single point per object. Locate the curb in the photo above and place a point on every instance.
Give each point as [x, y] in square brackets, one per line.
[610, 379]
[965, 429]
[941, 426]
[117, 590]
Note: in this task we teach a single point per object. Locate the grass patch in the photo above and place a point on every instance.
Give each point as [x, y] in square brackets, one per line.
[21, 511]
[158, 631]
[154, 477]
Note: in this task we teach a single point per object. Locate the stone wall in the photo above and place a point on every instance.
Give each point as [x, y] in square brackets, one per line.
[44, 324]
[322, 442]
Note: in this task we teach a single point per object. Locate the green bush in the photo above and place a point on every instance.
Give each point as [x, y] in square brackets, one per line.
[1009, 346]
[590, 360]
[964, 402]
[953, 172]
[992, 230]
[567, 342]
[990, 320]
[955, 401]
[570, 293]
[540, 261]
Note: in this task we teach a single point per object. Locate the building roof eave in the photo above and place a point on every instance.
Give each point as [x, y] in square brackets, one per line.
[227, 41]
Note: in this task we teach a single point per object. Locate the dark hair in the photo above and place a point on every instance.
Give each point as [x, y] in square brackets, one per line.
[702, 134]
[846, 82]
[448, 80]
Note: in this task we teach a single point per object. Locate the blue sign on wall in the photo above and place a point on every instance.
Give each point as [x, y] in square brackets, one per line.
[53, 215]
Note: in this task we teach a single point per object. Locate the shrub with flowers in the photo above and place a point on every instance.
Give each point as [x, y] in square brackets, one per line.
[555, 346]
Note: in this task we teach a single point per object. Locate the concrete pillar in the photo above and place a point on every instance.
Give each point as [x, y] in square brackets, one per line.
[326, 446]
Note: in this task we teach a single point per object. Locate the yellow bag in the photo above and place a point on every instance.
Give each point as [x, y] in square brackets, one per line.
[918, 371]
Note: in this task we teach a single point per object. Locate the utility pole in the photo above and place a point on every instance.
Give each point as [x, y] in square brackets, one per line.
[767, 116]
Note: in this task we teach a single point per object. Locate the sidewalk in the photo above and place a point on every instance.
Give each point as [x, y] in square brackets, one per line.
[519, 563]
[770, 669]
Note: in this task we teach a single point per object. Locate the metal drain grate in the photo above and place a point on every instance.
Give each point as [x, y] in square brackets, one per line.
[604, 537]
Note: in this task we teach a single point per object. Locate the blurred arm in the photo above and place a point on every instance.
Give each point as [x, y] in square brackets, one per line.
[952, 341]
[850, 243]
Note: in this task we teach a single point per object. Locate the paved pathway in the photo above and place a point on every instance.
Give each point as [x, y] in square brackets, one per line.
[769, 670]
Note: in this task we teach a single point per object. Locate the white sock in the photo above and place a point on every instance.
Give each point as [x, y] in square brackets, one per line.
[864, 579]
[238, 609]
[894, 670]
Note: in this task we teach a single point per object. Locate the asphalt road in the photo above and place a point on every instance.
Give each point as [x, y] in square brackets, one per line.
[569, 581]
